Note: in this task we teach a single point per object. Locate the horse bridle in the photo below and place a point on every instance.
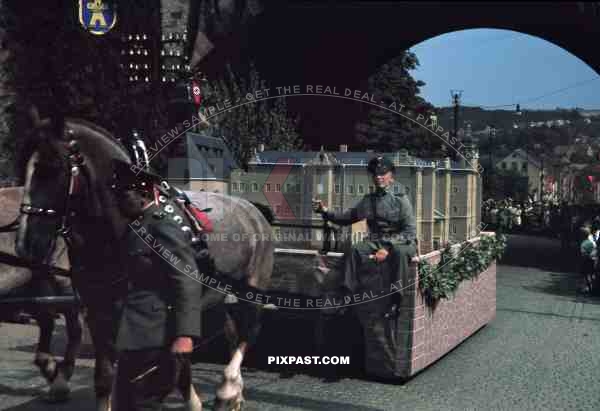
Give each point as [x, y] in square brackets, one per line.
[76, 169]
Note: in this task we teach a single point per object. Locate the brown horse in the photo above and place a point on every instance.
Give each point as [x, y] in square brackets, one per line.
[87, 209]
[20, 282]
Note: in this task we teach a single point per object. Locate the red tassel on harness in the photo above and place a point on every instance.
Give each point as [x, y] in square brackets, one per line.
[202, 218]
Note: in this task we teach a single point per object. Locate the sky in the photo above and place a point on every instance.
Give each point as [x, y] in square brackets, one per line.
[500, 67]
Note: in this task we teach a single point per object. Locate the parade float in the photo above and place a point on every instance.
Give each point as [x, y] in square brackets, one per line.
[449, 295]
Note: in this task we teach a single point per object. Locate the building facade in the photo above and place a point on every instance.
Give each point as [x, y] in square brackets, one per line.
[445, 195]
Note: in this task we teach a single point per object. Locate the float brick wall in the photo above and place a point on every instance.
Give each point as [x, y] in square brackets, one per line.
[422, 335]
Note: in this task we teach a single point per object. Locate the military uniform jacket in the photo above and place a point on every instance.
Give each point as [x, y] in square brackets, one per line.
[394, 224]
[163, 300]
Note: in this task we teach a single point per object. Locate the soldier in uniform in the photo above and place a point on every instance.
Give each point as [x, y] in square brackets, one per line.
[392, 228]
[161, 312]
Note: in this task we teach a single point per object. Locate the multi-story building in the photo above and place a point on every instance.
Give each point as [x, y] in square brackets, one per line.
[445, 195]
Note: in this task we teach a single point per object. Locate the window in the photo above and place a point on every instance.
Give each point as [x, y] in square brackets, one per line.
[503, 165]
[234, 187]
[297, 187]
[267, 187]
[289, 187]
[455, 189]
[361, 189]
[524, 166]
[277, 209]
[350, 189]
[407, 189]
[277, 188]
[337, 188]
[244, 187]
[453, 228]
[254, 187]
[455, 209]
[514, 165]
[371, 189]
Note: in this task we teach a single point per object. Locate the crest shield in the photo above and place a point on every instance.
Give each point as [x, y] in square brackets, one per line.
[97, 16]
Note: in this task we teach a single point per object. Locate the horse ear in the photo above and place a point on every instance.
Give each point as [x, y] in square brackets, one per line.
[37, 121]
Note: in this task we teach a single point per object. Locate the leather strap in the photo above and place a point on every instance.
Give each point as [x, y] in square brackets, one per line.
[374, 211]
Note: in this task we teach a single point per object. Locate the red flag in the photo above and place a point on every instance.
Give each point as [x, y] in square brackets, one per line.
[196, 93]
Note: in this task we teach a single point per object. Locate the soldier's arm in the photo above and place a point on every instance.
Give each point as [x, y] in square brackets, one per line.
[406, 221]
[179, 263]
[351, 216]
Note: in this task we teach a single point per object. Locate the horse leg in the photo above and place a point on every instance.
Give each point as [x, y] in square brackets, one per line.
[242, 325]
[100, 325]
[185, 386]
[74, 334]
[44, 359]
[59, 388]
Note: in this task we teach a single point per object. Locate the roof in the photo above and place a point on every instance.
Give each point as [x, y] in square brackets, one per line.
[523, 155]
[338, 157]
[202, 165]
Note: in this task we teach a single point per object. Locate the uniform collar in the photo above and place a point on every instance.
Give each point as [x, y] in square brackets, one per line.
[382, 191]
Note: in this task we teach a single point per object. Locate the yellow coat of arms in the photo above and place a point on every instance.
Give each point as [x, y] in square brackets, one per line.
[97, 16]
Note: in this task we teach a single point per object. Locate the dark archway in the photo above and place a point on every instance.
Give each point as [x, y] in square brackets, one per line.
[300, 42]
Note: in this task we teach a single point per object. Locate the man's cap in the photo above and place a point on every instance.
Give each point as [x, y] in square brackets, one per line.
[129, 177]
[380, 165]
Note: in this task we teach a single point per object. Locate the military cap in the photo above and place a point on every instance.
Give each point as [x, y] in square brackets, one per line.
[380, 165]
[128, 177]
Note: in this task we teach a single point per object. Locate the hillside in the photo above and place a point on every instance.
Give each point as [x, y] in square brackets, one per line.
[501, 119]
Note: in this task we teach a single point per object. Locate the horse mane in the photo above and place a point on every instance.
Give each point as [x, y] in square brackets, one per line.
[104, 135]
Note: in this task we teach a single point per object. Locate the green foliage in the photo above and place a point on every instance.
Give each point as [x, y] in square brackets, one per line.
[442, 280]
[247, 123]
[388, 131]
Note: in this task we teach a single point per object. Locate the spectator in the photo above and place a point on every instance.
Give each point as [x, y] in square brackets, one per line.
[589, 257]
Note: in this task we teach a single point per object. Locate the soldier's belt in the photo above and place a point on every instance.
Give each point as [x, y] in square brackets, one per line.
[391, 237]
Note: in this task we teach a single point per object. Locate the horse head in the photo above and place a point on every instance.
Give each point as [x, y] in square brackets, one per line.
[67, 181]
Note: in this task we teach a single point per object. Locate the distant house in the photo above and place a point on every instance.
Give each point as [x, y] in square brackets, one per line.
[525, 165]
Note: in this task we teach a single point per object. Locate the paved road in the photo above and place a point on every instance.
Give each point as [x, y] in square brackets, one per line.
[541, 353]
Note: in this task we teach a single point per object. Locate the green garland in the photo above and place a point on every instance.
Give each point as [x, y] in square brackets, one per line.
[442, 280]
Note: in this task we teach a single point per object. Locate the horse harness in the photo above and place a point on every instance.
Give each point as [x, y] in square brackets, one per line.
[76, 169]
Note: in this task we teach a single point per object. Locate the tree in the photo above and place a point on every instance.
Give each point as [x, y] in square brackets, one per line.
[65, 71]
[250, 121]
[387, 131]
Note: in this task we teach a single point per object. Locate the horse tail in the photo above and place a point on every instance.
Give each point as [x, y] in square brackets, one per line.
[265, 210]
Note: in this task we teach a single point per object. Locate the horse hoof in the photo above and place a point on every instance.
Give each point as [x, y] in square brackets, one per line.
[103, 404]
[194, 403]
[234, 404]
[56, 397]
[59, 390]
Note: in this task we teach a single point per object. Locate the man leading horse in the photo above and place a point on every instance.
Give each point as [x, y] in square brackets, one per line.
[161, 312]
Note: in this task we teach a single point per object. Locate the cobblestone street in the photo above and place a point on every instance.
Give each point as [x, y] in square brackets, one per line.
[539, 353]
